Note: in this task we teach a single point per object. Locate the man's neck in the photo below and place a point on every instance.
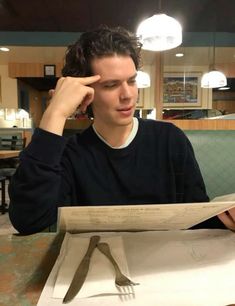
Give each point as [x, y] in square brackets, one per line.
[115, 136]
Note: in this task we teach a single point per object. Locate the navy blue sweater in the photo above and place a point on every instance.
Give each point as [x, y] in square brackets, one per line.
[158, 166]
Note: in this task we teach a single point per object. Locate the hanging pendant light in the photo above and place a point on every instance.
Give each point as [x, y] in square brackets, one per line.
[160, 32]
[142, 79]
[213, 78]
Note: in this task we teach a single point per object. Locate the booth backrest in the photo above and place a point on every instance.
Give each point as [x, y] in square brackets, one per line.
[215, 153]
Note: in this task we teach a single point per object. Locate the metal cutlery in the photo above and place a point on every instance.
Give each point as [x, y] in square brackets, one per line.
[120, 278]
[82, 270]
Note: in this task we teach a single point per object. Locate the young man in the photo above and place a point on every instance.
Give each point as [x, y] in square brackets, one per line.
[119, 159]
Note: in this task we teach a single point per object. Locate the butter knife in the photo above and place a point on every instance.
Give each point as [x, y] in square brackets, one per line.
[81, 272]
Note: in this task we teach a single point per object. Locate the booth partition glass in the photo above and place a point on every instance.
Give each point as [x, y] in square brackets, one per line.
[183, 97]
[177, 75]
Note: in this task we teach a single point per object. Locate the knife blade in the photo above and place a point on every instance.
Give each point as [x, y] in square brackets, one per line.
[81, 272]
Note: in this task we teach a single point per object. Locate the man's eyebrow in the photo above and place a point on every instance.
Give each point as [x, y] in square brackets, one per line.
[134, 76]
[117, 80]
[109, 81]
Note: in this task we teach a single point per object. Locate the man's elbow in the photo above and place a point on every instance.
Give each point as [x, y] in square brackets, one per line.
[27, 224]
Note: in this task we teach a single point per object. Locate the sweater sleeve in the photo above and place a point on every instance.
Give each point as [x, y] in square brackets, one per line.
[194, 186]
[34, 190]
[190, 187]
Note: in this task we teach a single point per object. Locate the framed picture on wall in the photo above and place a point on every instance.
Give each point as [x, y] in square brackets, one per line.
[181, 90]
[49, 71]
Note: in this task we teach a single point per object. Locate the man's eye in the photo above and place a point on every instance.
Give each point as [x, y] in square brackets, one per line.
[110, 85]
[132, 81]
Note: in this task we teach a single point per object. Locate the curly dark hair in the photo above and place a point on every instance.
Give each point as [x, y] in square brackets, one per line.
[102, 42]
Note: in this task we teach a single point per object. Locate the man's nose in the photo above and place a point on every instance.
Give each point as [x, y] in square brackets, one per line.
[126, 92]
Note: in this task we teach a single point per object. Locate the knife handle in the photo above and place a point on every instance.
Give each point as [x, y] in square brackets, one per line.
[92, 245]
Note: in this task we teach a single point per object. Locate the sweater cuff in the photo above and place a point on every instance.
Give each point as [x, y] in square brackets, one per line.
[45, 147]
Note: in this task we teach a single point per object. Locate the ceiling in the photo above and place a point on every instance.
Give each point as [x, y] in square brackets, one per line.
[81, 15]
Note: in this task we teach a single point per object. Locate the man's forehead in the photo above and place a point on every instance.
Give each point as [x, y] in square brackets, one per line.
[111, 60]
[113, 67]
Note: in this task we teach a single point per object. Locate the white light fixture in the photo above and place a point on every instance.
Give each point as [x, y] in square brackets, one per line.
[224, 88]
[160, 32]
[142, 79]
[213, 78]
[179, 54]
[4, 49]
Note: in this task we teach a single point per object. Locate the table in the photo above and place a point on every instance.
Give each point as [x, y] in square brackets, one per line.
[25, 263]
[9, 153]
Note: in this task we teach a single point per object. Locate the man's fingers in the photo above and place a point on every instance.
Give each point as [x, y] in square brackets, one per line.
[76, 91]
[87, 100]
[51, 92]
[89, 80]
[227, 219]
[78, 80]
[231, 212]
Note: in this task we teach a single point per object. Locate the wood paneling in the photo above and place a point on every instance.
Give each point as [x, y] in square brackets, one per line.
[28, 135]
[16, 70]
[77, 124]
[228, 69]
[228, 107]
[183, 124]
[204, 124]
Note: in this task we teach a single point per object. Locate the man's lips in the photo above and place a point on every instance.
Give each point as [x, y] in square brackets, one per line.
[124, 109]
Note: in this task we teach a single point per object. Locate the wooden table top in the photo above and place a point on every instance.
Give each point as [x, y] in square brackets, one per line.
[25, 263]
[9, 153]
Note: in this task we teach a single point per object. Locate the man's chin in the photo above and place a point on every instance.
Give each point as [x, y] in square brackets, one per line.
[125, 121]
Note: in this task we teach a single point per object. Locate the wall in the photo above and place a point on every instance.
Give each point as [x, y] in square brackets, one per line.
[8, 89]
[35, 102]
[224, 101]
[30, 69]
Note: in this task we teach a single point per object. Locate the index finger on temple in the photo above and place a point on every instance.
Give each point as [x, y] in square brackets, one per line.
[89, 80]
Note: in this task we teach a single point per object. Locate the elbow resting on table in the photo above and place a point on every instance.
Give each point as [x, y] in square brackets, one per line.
[30, 223]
